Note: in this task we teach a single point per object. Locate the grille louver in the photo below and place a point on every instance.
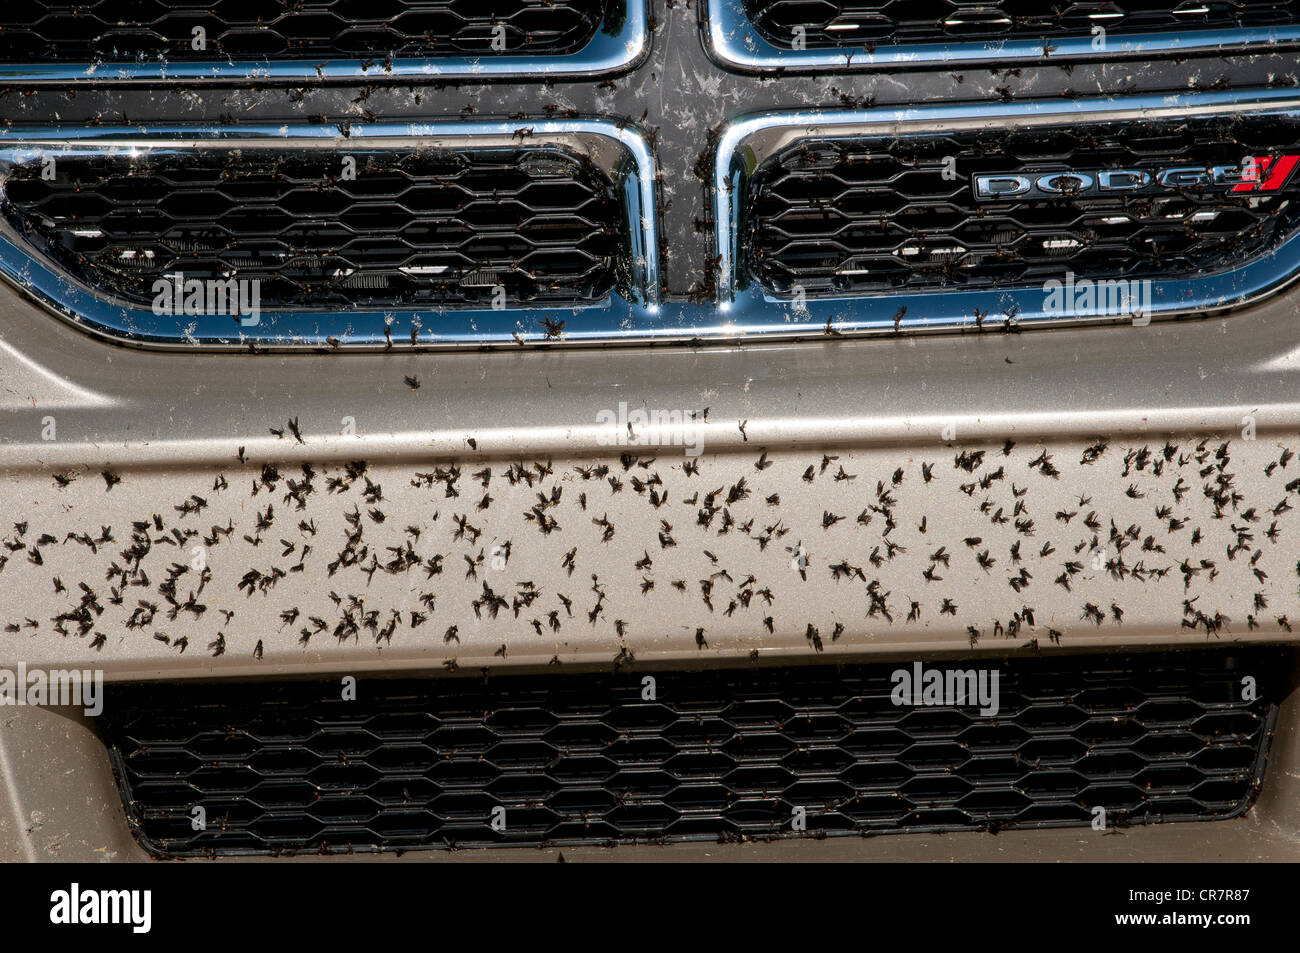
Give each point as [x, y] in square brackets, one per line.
[119, 41]
[437, 234]
[833, 23]
[862, 215]
[760, 36]
[400, 229]
[117, 29]
[718, 755]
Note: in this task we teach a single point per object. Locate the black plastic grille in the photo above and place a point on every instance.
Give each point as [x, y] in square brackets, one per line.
[877, 214]
[797, 24]
[716, 755]
[117, 29]
[428, 228]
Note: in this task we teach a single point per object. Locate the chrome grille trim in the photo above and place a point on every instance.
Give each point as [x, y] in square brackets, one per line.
[739, 309]
[734, 42]
[607, 53]
[621, 151]
[746, 142]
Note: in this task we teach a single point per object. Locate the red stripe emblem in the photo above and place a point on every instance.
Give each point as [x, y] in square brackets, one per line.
[1268, 175]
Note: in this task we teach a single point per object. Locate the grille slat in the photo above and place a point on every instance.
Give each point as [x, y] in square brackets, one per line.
[413, 228]
[826, 24]
[129, 29]
[716, 755]
[848, 216]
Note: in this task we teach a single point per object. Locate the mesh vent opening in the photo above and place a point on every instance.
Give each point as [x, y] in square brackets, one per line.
[231, 29]
[813, 24]
[718, 755]
[863, 215]
[434, 228]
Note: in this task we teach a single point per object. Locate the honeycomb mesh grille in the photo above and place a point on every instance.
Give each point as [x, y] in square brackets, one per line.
[878, 214]
[429, 228]
[722, 755]
[119, 29]
[795, 24]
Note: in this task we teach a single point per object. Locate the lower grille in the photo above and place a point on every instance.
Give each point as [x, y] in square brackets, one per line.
[799, 24]
[118, 29]
[721, 755]
[866, 214]
[372, 229]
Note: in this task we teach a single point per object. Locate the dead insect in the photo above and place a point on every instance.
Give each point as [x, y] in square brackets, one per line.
[412, 382]
[1043, 463]
[813, 635]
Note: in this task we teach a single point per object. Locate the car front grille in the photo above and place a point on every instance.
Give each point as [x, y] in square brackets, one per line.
[372, 228]
[718, 755]
[852, 215]
[800, 24]
[124, 29]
